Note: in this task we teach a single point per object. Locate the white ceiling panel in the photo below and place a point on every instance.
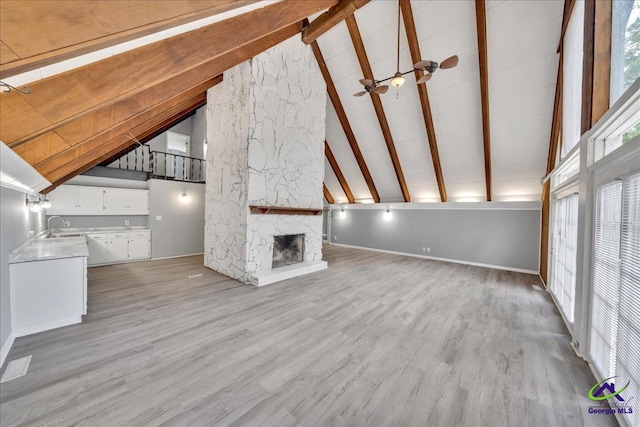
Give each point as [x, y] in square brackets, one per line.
[333, 185]
[522, 40]
[344, 155]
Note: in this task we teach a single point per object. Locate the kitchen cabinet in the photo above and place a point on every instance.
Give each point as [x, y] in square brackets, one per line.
[98, 245]
[47, 294]
[140, 245]
[126, 201]
[109, 248]
[76, 200]
[82, 200]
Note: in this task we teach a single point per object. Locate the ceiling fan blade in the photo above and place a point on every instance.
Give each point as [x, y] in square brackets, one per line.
[360, 93]
[366, 82]
[449, 62]
[424, 78]
[381, 90]
[425, 63]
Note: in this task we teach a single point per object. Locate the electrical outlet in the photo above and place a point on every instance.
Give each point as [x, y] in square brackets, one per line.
[424, 249]
[126, 222]
[428, 249]
[67, 224]
[158, 217]
[335, 237]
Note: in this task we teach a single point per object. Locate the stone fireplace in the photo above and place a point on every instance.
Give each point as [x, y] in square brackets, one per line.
[287, 250]
[265, 133]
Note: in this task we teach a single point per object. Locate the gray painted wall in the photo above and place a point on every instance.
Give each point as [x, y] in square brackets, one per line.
[181, 230]
[506, 238]
[102, 221]
[15, 223]
[197, 133]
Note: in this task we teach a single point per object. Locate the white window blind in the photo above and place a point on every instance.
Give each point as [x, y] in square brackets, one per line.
[606, 278]
[628, 342]
[614, 341]
[565, 239]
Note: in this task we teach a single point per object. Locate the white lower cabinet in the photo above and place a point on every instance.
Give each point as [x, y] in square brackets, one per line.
[47, 294]
[108, 248]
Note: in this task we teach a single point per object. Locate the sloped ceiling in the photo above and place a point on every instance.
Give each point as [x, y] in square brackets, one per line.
[522, 37]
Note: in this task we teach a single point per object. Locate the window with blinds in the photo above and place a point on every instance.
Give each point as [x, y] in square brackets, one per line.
[614, 339]
[564, 251]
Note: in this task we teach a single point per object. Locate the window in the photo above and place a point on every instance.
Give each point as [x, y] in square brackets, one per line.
[564, 250]
[614, 337]
[572, 79]
[625, 46]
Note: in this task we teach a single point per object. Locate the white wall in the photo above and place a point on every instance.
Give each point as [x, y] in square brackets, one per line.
[15, 223]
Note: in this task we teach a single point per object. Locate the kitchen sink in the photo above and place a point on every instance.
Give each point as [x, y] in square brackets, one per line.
[55, 236]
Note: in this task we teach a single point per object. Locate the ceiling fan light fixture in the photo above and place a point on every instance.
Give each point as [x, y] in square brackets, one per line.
[397, 80]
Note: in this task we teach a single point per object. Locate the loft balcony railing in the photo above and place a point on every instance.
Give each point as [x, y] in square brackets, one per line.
[161, 165]
[177, 167]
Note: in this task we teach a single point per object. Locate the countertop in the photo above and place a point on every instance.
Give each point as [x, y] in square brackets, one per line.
[42, 248]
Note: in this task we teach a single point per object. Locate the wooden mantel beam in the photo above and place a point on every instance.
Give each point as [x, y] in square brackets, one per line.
[356, 38]
[336, 169]
[342, 117]
[331, 18]
[481, 26]
[414, 48]
[64, 97]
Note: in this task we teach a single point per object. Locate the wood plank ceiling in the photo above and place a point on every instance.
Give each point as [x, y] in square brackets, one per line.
[74, 120]
[472, 133]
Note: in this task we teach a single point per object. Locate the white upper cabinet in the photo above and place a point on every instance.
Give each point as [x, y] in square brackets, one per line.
[81, 200]
[125, 201]
[76, 200]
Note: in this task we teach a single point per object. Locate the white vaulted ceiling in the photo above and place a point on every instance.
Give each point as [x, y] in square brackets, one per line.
[522, 38]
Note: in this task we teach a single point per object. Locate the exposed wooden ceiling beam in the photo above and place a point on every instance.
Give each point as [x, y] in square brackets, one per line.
[330, 18]
[66, 30]
[173, 115]
[327, 194]
[89, 151]
[568, 8]
[481, 26]
[67, 96]
[354, 32]
[414, 48]
[588, 63]
[342, 117]
[338, 172]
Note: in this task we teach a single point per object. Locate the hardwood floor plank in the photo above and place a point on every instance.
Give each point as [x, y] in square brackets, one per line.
[377, 339]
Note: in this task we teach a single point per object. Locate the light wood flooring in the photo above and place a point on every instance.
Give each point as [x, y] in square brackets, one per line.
[375, 340]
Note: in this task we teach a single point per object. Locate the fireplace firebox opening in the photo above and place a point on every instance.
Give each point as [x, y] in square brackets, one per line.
[287, 250]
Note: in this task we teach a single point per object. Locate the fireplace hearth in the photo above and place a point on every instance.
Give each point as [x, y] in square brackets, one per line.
[287, 250]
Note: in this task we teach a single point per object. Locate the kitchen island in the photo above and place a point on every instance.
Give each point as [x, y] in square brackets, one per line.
[48, 283]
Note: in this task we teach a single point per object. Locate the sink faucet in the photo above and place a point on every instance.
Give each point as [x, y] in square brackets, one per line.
[49, 223]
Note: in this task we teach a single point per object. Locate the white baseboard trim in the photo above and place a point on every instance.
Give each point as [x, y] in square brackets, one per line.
[456, 261]
[6, 347]
[47, 326]
[177, 256]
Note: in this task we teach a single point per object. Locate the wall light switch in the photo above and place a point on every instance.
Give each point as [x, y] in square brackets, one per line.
[424, 249]
[126, 222]
[158, 217]
[428, 249]
[335, 237]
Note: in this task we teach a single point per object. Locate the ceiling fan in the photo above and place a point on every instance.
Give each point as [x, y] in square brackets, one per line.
[426, 65]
